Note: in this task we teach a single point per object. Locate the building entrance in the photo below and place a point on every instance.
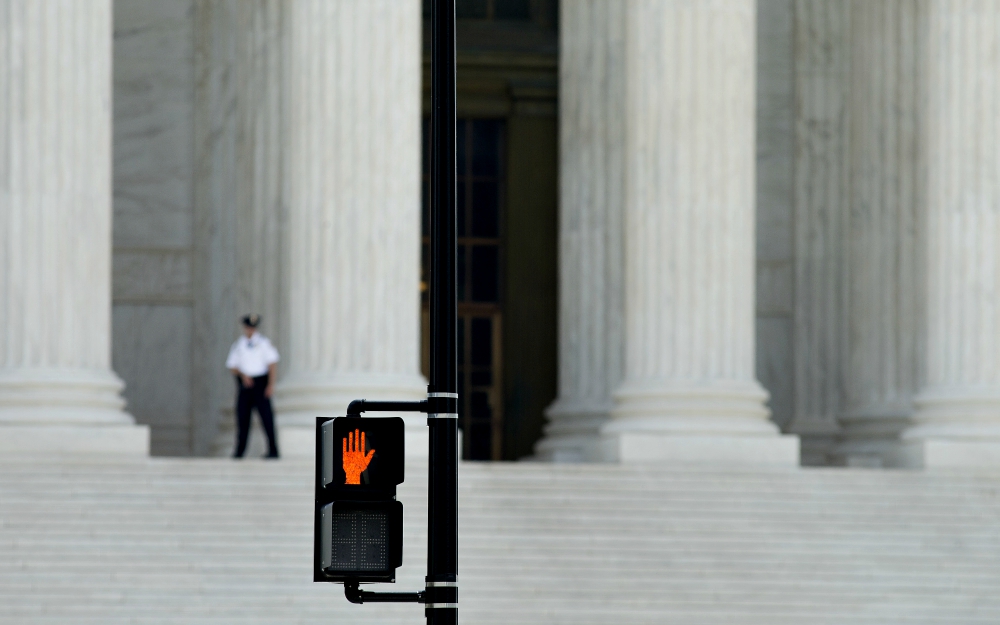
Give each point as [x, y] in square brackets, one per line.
[507, 136]
[480, 198]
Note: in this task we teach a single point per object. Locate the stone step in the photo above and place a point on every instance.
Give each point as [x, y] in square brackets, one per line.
[635, 595]
[503, 472]
[643, 479]
[553, 507]
[211, 541]
[569, 609]
[229, 581]
[512, 617]
[476, 572]
[584, 500]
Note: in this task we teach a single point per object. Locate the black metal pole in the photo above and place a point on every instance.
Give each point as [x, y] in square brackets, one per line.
[441, 594]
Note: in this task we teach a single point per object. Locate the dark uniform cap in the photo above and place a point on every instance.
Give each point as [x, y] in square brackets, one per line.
[251, 321]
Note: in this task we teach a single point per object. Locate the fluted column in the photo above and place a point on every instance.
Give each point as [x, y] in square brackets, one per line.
[689, 391]
[884, 306]
[591, 262]
[957, 416]
[57, 390]
[822, 80]
[353, 180]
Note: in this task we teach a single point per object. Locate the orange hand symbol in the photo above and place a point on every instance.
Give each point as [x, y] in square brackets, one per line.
[355, 459]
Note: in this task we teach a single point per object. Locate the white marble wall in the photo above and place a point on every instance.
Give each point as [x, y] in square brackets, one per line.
[198, 238]
[353, 176]
[55, 230]
[239, 209]
[152, 350]
[153, 266]
[957, 408]
[591, 252]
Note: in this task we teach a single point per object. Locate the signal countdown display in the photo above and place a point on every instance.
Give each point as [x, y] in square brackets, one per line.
[359, 523]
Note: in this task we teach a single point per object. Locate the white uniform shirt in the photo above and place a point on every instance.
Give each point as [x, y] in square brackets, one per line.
[252, 356]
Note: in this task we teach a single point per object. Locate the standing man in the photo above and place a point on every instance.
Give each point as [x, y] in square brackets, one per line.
[254, 362]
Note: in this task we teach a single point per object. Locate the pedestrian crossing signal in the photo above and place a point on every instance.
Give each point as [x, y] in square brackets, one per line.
[360, 452]
[358, 523]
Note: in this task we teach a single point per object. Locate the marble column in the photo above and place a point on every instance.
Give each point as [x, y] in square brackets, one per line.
[591, 252]
[57, 389]
[882, 250]
[353, 188]
[957, 410]
[822, 78]
[689, 392]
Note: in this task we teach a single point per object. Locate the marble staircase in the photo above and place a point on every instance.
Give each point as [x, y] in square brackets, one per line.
[160, 541]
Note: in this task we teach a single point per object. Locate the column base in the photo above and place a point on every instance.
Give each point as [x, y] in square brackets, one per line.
[872, 441]
[951, 454]
[717, 423]
[52, 411]
[715, 450]
[573, 434]
[52, 440]
[43, 396]
[566, 449]
[954, 428]
[817, 439]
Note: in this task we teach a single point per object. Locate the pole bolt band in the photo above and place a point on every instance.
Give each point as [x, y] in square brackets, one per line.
[441, 594]
[442, 405]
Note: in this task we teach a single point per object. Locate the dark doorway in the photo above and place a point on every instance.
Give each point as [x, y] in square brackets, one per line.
[480, 198]
[507, 135]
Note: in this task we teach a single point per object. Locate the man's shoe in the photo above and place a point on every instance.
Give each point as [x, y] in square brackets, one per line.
[271, 457]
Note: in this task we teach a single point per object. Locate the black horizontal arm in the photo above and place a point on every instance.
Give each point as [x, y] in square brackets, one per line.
[358, 406]
[356, 595]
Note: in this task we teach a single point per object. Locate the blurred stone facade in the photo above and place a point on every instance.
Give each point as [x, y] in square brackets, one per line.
[776, 236]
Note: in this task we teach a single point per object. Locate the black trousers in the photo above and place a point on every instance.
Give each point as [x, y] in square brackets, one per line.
[246, 400]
